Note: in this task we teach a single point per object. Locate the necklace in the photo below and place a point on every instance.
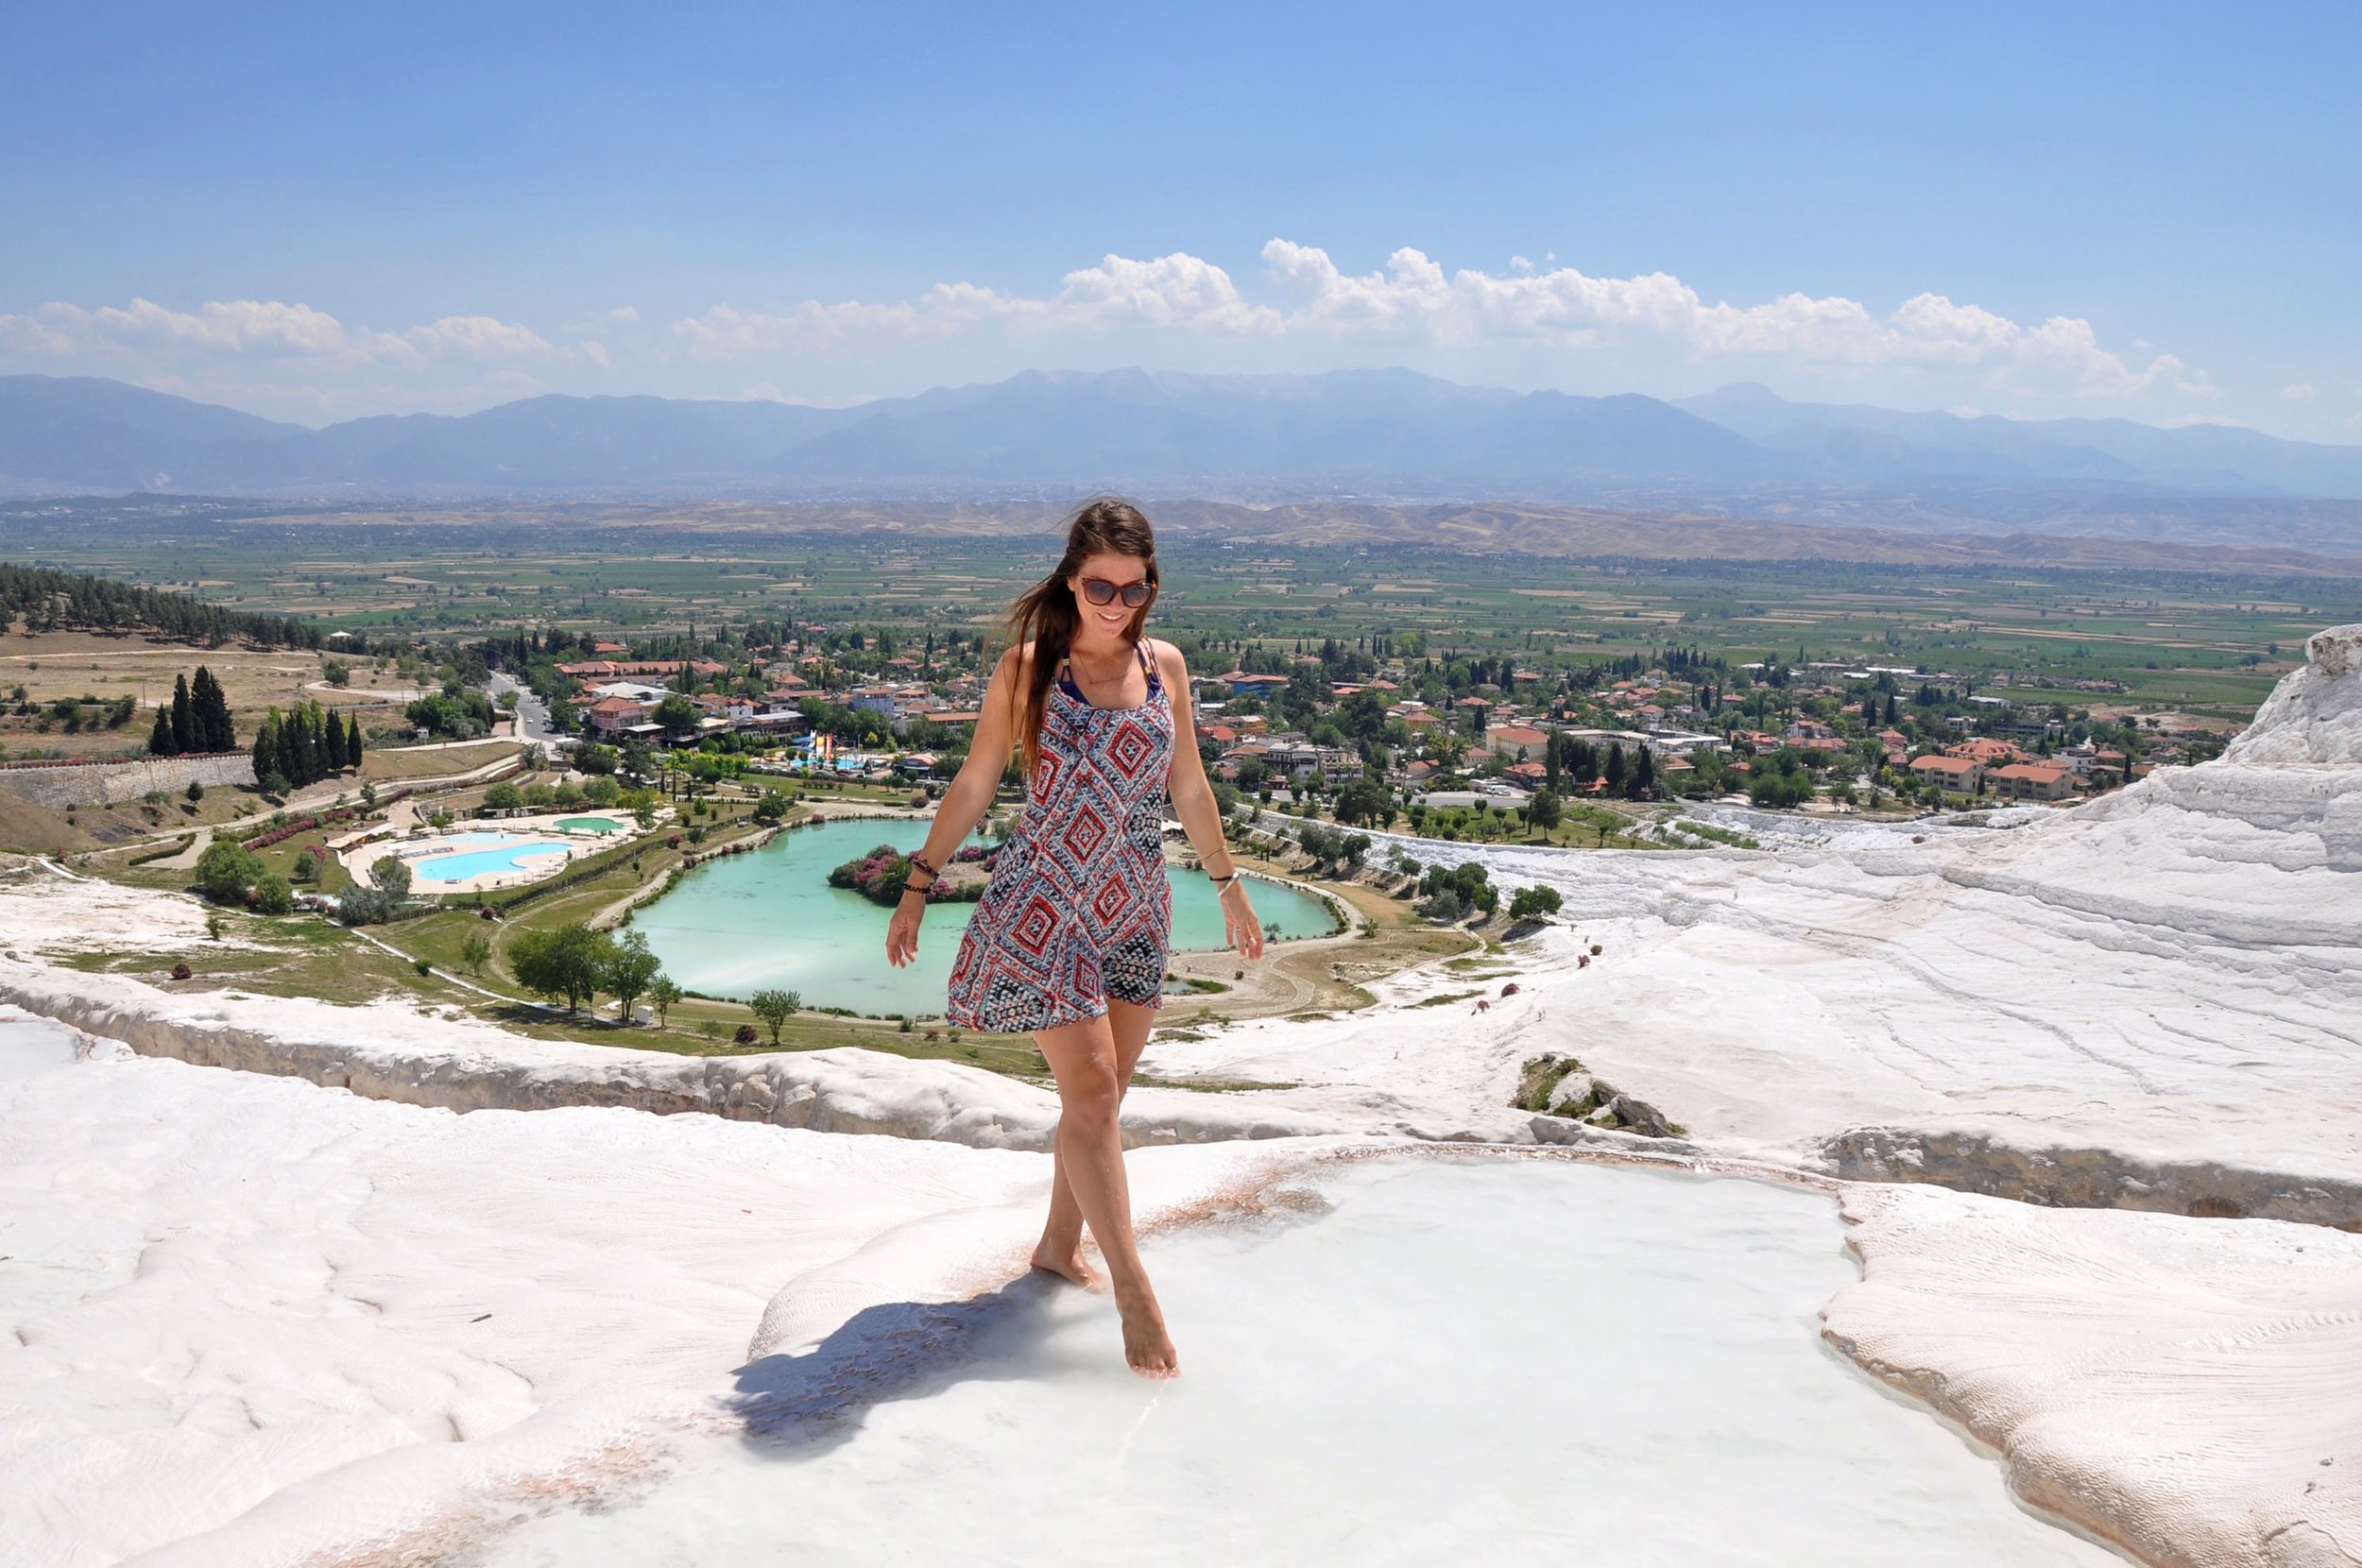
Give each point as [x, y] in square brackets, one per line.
[1113, 678]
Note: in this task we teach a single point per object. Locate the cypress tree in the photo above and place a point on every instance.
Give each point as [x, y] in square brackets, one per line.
[352, 740]
[1615, 767]
[183, 717]
[308, 742]
[267, 748]
[288, 764]
[216, 729]
[160, 738]
[1644, 771]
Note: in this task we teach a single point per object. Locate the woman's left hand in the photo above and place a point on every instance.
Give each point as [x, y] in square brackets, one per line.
[1238, 922]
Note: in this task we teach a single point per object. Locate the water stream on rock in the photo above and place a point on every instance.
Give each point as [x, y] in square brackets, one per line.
[1463, 1359]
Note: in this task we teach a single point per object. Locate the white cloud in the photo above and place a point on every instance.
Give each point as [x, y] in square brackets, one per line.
[1170, 293]
[1413, 300]
[254, 327]
[475, 337]
[2298, 389]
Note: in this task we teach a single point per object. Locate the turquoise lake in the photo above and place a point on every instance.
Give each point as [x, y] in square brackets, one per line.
[736, 925]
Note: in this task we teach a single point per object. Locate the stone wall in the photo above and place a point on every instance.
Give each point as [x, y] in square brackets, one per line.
[107, 783]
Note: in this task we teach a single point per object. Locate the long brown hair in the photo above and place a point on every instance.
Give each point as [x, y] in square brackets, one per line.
[1045, 615]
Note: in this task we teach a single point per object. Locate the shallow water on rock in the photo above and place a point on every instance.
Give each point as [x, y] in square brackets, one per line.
[31, 1044]
[1473, 1360]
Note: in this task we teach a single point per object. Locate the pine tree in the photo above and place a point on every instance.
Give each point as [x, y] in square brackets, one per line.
[184, 737]
[160, 738]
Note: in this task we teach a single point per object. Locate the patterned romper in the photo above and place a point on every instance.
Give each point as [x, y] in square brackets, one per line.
[1079, 909]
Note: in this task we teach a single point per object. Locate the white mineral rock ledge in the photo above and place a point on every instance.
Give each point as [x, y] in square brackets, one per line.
[2153, 1001]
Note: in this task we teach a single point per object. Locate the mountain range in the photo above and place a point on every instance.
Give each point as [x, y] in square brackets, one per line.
[1391, 434]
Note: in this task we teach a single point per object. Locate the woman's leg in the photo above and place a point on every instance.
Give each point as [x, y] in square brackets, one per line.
[1061, 1249]
[1091, 1154]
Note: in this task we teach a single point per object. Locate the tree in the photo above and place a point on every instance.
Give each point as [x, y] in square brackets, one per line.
[1525, 903]
[662, 994]
[338, 672]
[775, 1008]
[352, 740]
[266, 749]
[561, 960]
[504, 796]
[184, 737]
[215, 728]
[771, 808]
[626, 971]
[272, 895]
[196, 791]
[677, 714]
[227, 869]
[1364, 799]
[390, 876]
[475, 951]
[160, 741]
[307, 865]
[1643, 780]
[1544, 811]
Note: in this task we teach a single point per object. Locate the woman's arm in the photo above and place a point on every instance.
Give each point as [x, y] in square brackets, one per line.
[1193, 802]
[966, 802]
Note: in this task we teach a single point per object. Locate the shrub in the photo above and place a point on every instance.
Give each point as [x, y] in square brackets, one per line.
[746, 1036]
[272, 895]
[569, 961]
[1530, 902]
[179, 971]
[227, 869]
[775, 1007]
[390, 876]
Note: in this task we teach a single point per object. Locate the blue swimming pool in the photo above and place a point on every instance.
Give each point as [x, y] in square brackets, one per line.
[506, 852]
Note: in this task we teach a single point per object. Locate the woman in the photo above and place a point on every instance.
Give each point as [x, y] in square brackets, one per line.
[1069, 943]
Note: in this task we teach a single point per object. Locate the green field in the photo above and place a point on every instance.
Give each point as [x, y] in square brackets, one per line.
[2211, 645]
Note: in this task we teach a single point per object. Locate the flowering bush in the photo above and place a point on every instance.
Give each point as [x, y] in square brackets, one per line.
[880, 876]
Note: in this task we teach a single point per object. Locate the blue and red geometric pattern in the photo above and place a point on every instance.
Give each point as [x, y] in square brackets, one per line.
[1079, 909]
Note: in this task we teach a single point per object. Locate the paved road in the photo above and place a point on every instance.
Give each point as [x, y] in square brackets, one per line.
[533, 715]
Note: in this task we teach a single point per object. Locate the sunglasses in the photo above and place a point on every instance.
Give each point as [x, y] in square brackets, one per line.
[1100, 592]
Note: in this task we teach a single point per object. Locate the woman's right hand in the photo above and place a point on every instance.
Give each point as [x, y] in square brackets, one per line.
[902, 931]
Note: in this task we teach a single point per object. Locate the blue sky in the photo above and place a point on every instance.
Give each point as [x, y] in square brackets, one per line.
[2148, 210]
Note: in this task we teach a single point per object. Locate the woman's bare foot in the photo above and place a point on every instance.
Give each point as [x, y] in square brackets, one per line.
[1147, 1348]
[1067, 1265]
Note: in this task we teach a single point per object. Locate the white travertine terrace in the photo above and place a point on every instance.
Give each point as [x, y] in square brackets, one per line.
[2154, 1001]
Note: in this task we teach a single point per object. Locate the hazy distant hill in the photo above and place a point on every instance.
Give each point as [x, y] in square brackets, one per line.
[80, 433]
[1380, 434]
[1857, 443]
[1388, 429]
